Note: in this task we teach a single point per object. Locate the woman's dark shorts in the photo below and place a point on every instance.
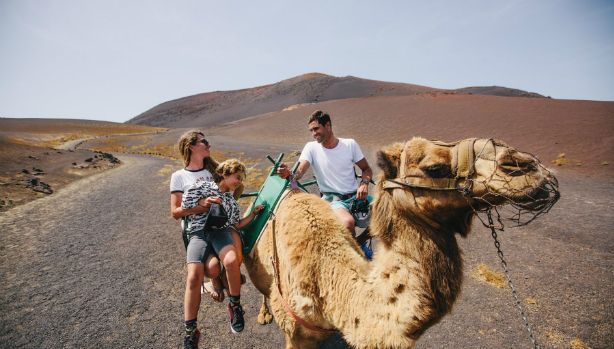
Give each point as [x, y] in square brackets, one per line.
[204, 243]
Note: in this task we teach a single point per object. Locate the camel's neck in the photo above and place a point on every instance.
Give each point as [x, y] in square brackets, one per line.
[414, 278]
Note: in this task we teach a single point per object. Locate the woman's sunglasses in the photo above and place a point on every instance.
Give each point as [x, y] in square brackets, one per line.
[203, 141]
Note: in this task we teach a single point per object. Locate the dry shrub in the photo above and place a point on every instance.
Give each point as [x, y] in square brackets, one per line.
[577, 343]
[555, 337]
[531, 301]
[485, 273]
[560, 160]
[166, 170]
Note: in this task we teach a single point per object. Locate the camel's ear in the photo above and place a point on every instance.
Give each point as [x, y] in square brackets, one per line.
[389, 159]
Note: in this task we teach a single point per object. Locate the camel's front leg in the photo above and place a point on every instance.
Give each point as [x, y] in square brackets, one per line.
[264, 316]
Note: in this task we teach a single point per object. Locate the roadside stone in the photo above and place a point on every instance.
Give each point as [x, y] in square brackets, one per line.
[36, 185]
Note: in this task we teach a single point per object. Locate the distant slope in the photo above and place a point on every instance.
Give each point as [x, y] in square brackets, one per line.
[546, 127]
[497, 91]
[219, 107]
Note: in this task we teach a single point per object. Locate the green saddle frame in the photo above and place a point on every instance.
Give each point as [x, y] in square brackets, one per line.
[269, 195]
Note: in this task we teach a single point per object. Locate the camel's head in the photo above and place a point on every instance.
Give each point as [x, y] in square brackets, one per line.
[438, 180]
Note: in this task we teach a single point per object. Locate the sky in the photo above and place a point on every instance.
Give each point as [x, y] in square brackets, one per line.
[114, 59]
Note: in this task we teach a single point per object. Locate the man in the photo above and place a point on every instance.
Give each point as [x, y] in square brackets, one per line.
[333, 162]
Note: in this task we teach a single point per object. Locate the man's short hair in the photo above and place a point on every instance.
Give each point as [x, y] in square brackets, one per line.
[321, 117]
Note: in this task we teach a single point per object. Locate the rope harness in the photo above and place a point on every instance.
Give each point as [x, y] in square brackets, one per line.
[463, 166]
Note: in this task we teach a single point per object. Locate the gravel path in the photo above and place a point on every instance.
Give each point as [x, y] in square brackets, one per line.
[100, 264]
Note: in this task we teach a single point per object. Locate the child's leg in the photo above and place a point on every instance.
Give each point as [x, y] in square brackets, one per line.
[238, 244]
[212, 266]
[230, 259]
[213, 270]
[224, 245]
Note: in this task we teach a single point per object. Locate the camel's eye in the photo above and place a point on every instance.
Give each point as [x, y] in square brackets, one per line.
[438, 171]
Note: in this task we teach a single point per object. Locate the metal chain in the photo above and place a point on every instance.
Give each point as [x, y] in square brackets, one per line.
[509, 280]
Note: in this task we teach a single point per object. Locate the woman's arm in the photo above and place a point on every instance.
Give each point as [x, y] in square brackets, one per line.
[178, 212]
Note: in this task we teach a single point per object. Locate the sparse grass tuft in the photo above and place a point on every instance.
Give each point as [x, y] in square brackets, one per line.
[555, 337]
[485, 273]
[560, 160]
[577, 343]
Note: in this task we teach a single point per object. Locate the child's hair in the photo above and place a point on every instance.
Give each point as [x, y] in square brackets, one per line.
[228, 167]
[185, 141]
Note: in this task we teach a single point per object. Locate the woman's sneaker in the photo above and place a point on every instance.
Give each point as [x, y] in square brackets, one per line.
[190, 341]
[236, 318]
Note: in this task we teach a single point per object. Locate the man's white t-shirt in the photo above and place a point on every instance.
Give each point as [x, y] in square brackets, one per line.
[183, 179]
[334, 168]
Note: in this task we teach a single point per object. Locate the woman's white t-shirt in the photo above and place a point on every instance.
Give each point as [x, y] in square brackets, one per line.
[334, 168]
[183, 179]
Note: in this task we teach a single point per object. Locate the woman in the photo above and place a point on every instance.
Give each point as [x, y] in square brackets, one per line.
[204, 236]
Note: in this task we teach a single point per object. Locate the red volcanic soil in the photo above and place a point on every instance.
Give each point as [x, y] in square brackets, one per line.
[581, 130]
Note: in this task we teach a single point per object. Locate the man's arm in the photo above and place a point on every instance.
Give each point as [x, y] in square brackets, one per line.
[367, 175]
[283, 170]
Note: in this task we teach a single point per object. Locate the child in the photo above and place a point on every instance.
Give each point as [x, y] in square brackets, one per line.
[228, 176]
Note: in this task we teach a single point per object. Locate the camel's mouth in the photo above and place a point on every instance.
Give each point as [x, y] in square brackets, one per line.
[522, 205]
[542, 197]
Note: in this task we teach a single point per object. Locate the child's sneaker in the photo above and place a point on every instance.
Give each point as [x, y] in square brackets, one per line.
[190, 341]
[236, 318]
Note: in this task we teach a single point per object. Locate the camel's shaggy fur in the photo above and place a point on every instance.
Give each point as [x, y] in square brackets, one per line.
[416, 273]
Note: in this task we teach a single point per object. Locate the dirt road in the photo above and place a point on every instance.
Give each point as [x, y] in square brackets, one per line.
[100, 264]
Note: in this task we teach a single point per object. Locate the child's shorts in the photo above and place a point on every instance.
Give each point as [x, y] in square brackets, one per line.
[220, 239]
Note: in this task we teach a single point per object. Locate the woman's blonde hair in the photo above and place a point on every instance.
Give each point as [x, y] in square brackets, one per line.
[185, 141]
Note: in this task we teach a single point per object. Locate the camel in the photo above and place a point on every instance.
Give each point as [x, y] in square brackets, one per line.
[416, 272]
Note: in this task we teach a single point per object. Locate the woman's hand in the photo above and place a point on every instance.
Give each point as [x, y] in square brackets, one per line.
[206, 202]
